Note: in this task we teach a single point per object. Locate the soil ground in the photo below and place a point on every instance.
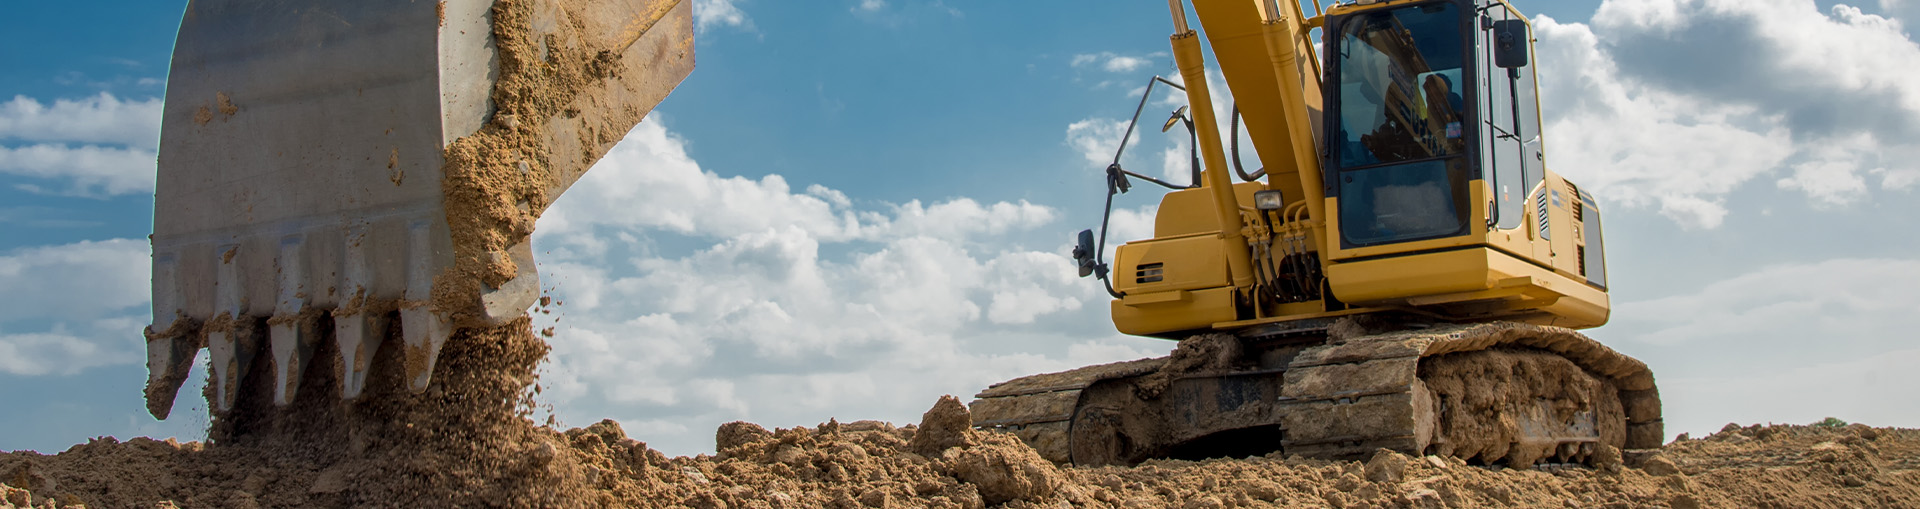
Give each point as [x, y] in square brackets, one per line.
[941, 462]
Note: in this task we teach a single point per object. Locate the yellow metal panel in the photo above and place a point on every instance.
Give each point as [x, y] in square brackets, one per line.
[1199, 310]
[1190, 211]
[1186, 263]
[1433, 277]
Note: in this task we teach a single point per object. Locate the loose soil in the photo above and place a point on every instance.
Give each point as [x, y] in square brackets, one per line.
[437, 455]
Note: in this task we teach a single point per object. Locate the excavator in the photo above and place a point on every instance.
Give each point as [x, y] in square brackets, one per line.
[1403, 274]
[341, 179]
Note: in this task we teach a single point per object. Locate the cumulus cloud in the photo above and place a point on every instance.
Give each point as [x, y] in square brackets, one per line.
[71, 307]
[101, 118]
[1096, 139]
[88, 170]
[97, 146]
[792, 306]
[1674, 104]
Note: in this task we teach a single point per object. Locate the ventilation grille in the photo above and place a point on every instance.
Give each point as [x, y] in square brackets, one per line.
[1579, 212]
[1148, 273]
[1580, 253]
[1540, 215]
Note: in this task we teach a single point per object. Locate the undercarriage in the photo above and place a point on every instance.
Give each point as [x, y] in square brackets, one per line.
[1491, 393]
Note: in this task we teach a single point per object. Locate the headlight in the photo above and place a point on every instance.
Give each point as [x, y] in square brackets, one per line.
[1267, 200]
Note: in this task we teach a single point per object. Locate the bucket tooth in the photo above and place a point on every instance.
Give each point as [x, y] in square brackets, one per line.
[359, 334]
[425, 332]
[423, 328]
[293, 342]
[172, 341]
[169, 359]
[231, 338]
[231, 345]
[360, 325]
[294, 331]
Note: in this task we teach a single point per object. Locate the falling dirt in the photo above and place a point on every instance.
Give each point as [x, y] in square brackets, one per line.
[552, 119]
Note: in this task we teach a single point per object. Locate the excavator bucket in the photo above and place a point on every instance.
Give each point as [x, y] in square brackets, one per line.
[330, 169]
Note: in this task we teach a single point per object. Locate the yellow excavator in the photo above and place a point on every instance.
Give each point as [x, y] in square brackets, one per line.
[347, 184]
[1404, 273]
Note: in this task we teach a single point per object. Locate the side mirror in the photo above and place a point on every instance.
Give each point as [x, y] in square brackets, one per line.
[1510, 43]
[1083, 253]
[1174, 119]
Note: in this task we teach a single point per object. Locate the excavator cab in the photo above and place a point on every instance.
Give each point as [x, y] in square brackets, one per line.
[1435, 170]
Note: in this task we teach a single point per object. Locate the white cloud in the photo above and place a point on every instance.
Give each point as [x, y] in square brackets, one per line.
[791, 306]
[711, 13]
[35, 354]
[82, 280]
[963, 217]
[870, 6]
[1897, 180]
[1637, 145]
[96, 146]
[1125, 64]
[1674, 104]
[80, 304]
[1132, 224]
[1832, 174]
[1862, 300]
[102, 118]
[671, 192]
[1113, 62]
[1097, 138]
[1176, 163]
[1027, 285]
[89, 170]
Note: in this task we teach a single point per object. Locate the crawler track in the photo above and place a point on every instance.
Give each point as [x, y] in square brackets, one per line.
[1487, 393]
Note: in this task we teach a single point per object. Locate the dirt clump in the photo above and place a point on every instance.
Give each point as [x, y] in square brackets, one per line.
[947, 425]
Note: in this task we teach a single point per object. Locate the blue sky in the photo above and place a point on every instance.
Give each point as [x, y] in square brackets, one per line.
[852, 208]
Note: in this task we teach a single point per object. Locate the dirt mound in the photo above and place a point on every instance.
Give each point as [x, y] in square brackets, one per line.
[875, 464]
